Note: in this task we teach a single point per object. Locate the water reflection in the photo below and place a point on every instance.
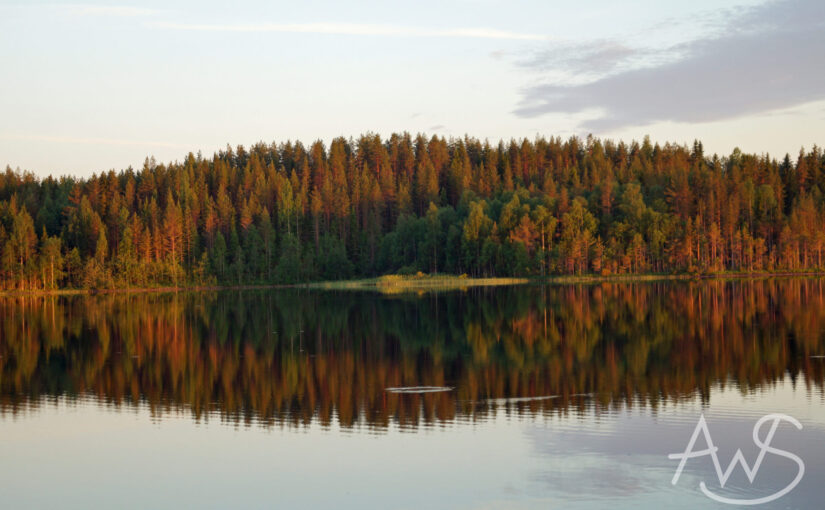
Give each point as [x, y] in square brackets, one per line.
[291, 357]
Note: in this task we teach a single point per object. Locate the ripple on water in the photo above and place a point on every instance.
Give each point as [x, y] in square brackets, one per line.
[419, 389]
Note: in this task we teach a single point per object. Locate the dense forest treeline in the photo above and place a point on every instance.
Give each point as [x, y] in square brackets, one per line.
[295, 356]
[287, 213]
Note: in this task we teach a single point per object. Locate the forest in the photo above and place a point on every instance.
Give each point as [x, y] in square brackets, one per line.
[288, 213]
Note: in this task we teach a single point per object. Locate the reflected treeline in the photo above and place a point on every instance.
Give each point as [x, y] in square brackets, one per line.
[294, 356]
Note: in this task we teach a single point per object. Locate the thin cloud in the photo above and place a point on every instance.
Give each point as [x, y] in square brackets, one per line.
[354, 29]
[89, 141]
[111, 10]
[770, 58]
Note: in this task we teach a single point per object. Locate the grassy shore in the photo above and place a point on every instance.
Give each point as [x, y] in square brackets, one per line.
[422, 282]
[628, 278]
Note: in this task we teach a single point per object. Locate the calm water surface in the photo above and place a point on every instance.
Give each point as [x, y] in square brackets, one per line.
[514, 397]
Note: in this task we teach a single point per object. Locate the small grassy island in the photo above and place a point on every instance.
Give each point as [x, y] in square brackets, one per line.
[419, 282]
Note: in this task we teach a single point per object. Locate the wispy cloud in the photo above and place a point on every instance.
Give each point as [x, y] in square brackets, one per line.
[768, 57]
[110, 10]
[89, 141]
[354, 29]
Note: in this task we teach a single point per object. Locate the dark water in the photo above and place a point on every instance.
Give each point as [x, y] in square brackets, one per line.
[514, 397]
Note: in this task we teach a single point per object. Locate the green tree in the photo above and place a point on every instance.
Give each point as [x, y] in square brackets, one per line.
[288, 269]
[51, 262]
[476, 229]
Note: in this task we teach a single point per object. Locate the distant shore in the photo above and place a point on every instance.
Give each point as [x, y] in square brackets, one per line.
[424, 282]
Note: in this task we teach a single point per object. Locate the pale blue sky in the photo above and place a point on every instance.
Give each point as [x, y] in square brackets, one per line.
[89, 87]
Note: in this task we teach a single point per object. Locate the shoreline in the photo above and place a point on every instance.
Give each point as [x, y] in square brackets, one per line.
[396, 283]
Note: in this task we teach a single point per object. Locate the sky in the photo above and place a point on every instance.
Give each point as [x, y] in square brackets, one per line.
[89, 87]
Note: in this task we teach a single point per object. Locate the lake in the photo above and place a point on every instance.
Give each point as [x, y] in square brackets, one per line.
[531, 396]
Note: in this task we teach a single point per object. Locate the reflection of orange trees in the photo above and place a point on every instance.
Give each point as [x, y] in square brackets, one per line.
[293, 357]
